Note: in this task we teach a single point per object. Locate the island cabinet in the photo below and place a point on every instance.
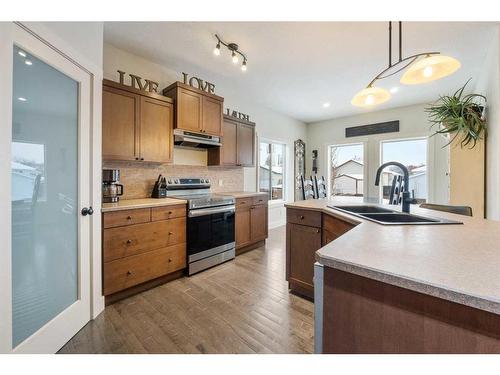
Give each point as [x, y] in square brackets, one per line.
[238, 144]
[196, 110]
[142, 247]
[136, 125]
[251, 220]
[306, 232]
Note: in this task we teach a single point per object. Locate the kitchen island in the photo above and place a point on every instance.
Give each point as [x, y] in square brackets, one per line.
[406, 288]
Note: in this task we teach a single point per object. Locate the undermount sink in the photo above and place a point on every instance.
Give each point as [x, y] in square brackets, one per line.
[386, 216]
[363, 209]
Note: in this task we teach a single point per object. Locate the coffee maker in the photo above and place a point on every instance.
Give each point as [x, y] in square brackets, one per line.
[111, 188]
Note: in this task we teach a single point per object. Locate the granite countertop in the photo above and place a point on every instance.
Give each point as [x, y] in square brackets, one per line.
[244, 194]
[459, 263]
[129, 204]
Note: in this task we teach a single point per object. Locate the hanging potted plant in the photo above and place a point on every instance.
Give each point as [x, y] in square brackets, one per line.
[459, 116]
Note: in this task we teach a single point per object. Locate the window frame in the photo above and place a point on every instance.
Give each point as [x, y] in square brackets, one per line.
[284, 171]
[329, 169]
[427, 156]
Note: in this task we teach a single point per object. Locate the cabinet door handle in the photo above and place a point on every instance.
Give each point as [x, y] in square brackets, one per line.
[129, 273]
[317, 230]
[142, 158]
[170, 212]
[301, 217]
[169, 260]
[129, 242]
[170, 233]
[129, 217]
[136, 158]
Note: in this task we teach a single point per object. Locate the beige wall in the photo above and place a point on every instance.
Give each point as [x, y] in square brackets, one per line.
[413, 123]
[488, 84]
[269, 124]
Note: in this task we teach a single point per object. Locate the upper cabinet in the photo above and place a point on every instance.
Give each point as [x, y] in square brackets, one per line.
[136, 125]
[196, 110]
[238, 144]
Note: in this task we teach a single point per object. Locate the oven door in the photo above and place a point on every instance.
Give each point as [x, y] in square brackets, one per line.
[209, 231]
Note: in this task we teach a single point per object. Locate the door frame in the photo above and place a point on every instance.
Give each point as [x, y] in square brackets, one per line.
[10, 35]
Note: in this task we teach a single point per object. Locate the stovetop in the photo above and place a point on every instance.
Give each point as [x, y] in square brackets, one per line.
[196, 201]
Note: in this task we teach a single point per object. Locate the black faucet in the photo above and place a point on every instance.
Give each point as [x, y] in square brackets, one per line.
[406, 200]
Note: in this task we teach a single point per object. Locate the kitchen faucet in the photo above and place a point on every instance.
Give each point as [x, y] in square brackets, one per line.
[406, 200]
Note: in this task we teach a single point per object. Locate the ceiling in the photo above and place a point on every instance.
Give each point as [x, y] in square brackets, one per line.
[295, 67]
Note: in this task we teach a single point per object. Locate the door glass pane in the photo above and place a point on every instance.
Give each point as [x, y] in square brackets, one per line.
[413, 154]
[44, 194]
[264, 167]
[347, 172]
[278, 157]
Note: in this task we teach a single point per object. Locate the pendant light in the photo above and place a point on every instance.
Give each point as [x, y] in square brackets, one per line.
[422, 67]
[430, 69]
[370, 96]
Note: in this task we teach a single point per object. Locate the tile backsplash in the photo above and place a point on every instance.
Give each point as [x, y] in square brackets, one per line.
[138, 180]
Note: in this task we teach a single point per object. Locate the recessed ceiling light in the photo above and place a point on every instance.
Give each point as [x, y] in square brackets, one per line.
[21, 99]
[394, 90]
[28, 62]
[326, 105]
[21, 53]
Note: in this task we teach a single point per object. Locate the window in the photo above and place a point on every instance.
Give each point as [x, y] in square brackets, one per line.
[272, 169]
[346, 172]
[28, 172]
[413, 154]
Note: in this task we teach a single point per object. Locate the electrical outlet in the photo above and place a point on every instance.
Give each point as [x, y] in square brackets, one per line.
[220, 182]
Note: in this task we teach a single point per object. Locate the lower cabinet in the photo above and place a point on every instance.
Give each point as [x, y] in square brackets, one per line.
[141, 245]
[250, 222]
[306, 232]
[303, 242]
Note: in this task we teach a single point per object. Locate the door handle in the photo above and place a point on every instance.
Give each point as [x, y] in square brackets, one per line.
[87, 211]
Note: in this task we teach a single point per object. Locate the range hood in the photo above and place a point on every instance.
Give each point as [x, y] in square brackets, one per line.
[184, 138]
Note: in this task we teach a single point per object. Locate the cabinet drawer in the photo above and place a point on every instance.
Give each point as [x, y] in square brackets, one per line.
[260, 199]
[336, 226]
[168, 212]
[242, 203]
[303, 217]
[126, 217]
[140, 238]
[127, 272]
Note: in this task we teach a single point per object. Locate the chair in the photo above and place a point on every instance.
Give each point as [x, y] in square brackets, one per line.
[307, 188]
[396, 190]
[460, 210]
[320, 187]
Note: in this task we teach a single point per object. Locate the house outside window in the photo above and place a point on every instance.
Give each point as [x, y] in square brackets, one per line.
[272, 169]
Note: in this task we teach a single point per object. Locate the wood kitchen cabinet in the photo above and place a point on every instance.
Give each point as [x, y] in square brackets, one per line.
[196, 110]
[306, 232]
[251, 222]
[141, 248]
[238, 144]
[136, 125]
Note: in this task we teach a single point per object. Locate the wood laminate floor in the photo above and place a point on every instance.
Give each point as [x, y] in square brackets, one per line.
[242, 306]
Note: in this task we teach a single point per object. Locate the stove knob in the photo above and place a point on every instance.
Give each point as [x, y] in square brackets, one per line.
[169, 181]
[207, 181]
[176, 181]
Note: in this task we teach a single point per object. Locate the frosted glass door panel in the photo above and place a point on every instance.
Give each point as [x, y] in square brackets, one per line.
[44, 194]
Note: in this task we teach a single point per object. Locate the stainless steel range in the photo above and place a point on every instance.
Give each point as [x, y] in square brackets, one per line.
[210, 222]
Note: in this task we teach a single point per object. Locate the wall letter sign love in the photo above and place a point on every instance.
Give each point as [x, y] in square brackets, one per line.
[199, 83]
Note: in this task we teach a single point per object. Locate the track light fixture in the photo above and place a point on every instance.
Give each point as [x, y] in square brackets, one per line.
[422, 67]
[233, 47]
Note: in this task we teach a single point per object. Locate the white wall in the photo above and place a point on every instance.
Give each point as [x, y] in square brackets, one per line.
[269, 124]
[488, 84]
[83, 44]
[412, 123]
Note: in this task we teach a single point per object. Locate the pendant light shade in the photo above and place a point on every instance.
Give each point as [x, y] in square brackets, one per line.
[370, 96]
[430, 69]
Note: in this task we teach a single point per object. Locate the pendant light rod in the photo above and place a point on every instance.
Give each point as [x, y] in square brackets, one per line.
[407, 61]
[400, 40]
[390, 44]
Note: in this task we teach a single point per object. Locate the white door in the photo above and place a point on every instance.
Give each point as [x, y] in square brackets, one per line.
[50, 187]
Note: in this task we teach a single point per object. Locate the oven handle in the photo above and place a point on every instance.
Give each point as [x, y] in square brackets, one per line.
[209, 211]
